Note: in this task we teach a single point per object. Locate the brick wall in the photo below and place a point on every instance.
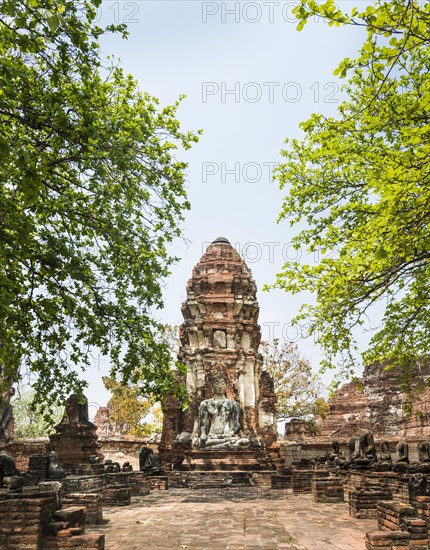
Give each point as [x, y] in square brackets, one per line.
[22, 449]
[118, 449]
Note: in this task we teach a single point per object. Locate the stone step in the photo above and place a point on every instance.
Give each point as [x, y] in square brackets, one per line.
[80, 542]
[53, 528]
[247, 453]
[202, 460]
[73, 516]
[219, 464]
[210, 484]
[198, 480]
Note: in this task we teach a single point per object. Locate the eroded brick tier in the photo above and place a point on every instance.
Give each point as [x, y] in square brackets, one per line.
[220, 332]
[75, 440]
[376, 404]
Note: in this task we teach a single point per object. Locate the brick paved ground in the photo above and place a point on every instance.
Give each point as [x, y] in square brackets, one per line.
[196, 520]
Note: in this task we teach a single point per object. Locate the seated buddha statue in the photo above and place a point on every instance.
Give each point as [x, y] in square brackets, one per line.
[402, 461]
[385, 462]
[220, 419]
[424, 457]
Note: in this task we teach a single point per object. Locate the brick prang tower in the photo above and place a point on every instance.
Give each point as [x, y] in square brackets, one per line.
[220, 332]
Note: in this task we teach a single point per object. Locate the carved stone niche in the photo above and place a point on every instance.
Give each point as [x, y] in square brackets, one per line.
[219, 339]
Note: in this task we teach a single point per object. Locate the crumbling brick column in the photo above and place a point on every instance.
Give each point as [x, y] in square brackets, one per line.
[392, 515]
[327, 490]
[75, 440]
[301, 480]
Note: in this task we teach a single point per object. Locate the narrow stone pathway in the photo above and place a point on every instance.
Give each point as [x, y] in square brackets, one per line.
[197, 520]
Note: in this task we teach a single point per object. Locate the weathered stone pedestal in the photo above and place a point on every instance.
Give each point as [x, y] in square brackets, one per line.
[201, 460]
[327, 489]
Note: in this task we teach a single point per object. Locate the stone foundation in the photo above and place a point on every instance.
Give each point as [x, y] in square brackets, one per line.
[159, 483]
[139, 484]
[280, 482]
[23, 519]
[423, 508]
[301, 480]
[67, 530]
[363, 503]
[388, 483]
[327, 490]
[232, 479]
[401, 529]
[116, 496]
[398, 540]
[31, 521]
[116, 489]
[83, 484]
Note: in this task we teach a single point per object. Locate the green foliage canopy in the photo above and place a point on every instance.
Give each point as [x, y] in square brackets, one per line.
[29, 417]
[299, 393]
[130, 413]
[91, 193]
[359, 185]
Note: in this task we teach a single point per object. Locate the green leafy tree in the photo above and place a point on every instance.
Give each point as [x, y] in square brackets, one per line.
[29, 418]
[170, 337]
[130, 413]
[299, 392]
[359, 185]
[91, 194]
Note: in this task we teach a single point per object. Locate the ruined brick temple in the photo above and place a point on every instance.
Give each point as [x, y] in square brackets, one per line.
[366, 462]
[220, 337]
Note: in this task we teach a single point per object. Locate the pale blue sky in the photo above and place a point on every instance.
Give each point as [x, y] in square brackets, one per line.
[172, 51]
